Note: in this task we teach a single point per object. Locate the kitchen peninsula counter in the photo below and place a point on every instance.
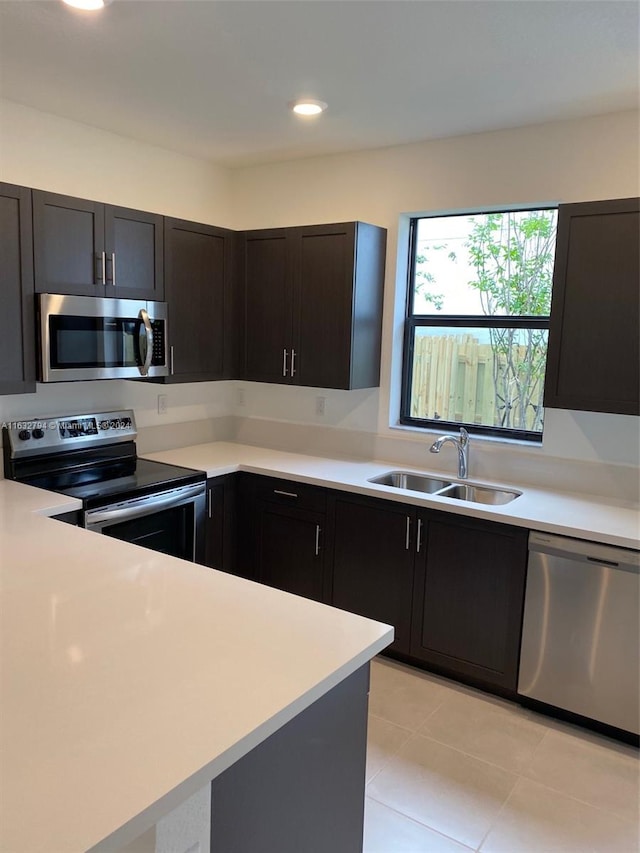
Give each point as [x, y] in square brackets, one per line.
[130, 679]
[590, 517]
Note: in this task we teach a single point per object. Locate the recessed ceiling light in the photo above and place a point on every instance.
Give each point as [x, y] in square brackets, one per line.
[87, 5]
[307, 107]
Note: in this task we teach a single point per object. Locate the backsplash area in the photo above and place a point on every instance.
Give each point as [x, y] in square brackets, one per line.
[511, 464]
[582, 452]
[195, 413]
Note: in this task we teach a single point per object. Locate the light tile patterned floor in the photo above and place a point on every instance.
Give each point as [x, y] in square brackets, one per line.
[453, 770]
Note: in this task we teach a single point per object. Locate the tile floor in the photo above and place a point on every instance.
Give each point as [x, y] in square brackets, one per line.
[453, 770]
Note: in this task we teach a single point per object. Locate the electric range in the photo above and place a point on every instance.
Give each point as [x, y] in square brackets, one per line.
[93, 457]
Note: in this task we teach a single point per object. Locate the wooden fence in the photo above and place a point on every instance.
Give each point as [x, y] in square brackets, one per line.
[453, 380]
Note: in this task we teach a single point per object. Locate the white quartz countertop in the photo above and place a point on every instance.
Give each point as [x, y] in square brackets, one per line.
[582, 516]
[129, 679]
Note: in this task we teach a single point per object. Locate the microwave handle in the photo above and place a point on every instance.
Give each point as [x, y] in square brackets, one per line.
[146, 322]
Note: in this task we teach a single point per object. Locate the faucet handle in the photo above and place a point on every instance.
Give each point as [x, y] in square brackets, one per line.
[464, 437]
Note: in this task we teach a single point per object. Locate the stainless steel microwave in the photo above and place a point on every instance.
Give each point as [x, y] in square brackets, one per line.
[87, 337]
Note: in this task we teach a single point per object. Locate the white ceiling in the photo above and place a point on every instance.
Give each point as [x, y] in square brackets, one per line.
[212, 79]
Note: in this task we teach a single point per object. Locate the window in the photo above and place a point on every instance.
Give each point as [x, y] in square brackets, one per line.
[477, 321]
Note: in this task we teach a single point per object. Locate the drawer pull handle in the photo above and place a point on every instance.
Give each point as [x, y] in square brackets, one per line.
[285, 494]
[209, 504]
[284, 361]
[317, 539]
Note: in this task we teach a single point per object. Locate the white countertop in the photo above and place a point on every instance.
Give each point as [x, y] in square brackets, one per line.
[584, 517]
[129, 679]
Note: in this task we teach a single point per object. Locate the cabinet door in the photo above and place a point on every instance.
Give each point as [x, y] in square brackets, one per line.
[17, 338]
[290, 553]
[373, 563]
[68, 245]
[324, 257]
[468, 599]
[267, 261]
[198, 281]
[134, 247]
[594, 348]
[220, 522]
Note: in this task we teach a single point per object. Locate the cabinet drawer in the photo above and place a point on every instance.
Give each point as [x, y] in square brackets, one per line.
[289, 493]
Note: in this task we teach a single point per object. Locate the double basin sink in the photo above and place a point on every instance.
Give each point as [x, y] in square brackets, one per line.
[471, 492]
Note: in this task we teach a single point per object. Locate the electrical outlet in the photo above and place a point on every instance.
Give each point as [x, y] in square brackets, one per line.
[320, 401]
[162, 404]
[240, 397]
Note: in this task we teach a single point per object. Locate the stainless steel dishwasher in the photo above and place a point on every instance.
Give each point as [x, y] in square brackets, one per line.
[580, 639]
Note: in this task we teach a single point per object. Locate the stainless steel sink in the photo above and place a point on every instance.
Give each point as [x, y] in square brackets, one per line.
[471, 492]
[413, 482]
[479, 494]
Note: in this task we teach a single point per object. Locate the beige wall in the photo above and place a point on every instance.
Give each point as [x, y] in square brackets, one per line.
[51, 153]
[561, 161]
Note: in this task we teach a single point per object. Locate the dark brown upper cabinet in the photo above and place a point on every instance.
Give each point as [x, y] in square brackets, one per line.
[594, 352]
[17, 341]
[88, 248]
[200, 293]
[266, 265]
[313, 305]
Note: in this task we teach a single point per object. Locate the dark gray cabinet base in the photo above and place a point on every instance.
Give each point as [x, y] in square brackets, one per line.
[302, 789]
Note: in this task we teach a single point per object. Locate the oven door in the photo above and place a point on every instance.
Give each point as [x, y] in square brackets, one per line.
[172, 522]
[84, 337]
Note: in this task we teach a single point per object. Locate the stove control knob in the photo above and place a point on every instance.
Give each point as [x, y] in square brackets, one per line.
[24, 435]
[38, 433]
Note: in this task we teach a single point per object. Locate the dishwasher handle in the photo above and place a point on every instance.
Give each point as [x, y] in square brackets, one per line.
[586, 552]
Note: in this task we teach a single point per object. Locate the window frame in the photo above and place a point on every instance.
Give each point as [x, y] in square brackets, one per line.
[468, 321]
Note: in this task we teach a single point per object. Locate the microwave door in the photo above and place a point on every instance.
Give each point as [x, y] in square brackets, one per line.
[86, 338]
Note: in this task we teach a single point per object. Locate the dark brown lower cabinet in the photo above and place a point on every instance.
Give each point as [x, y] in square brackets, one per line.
[282, 541]
[468, 599]
[220, 550]
[373, 554]
[289, 553]
[451, 586]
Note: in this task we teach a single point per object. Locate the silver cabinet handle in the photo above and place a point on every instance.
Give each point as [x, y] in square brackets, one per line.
[113, 268]
[408, 535]
[148, 330]
[419, 536]
[171, 360]
[285, 494]
[101, 267]
[209, 504]
[284, 361]
[317, 539]
[293, 362]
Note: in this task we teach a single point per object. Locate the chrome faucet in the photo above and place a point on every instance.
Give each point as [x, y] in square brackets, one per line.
[462, 446]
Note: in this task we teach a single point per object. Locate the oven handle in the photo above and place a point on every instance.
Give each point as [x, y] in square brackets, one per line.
[138, 507]
[148, 329]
